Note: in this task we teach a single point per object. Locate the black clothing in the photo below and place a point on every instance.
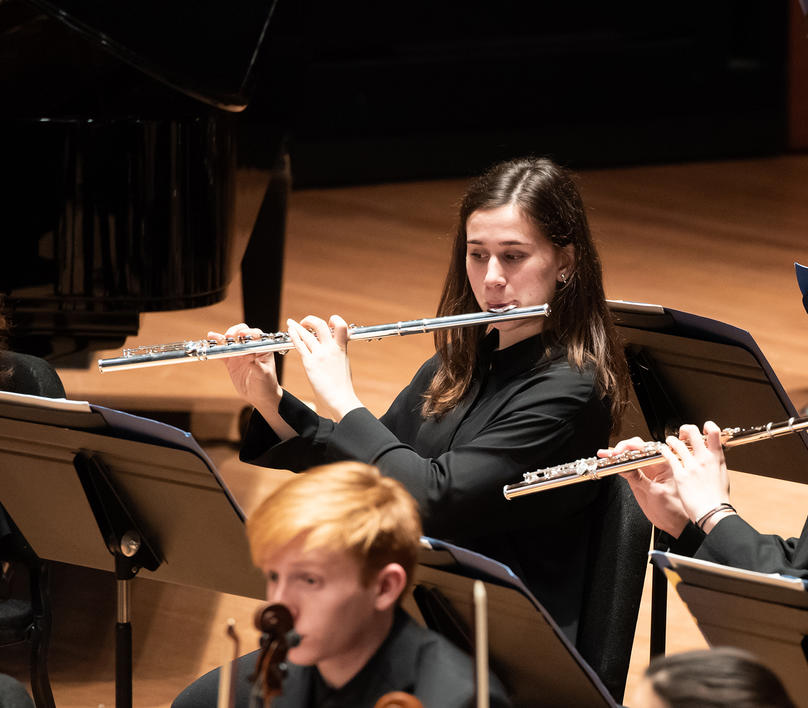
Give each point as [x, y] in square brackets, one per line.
[686, 545]
[23, 373]
[734, 542]
[525, 410]
[13, 693]
[411, 659]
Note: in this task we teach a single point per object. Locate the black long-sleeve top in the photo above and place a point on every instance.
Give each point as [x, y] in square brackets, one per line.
[411, 659]
[525, 410]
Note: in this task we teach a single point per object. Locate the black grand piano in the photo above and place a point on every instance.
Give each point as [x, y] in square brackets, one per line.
[117, 155]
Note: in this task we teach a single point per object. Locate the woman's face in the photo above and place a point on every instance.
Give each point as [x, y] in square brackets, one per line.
[510, 262]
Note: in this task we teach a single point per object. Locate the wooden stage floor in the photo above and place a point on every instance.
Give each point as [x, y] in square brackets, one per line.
[714, 239]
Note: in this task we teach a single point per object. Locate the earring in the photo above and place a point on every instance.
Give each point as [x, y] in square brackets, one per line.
[564, 278]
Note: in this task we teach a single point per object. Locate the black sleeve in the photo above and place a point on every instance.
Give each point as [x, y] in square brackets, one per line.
[261, 446]
[552, 417]
[460, 491]
[686, 545]
[734, 542]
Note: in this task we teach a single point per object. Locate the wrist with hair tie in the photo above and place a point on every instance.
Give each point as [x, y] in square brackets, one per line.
[725, 506]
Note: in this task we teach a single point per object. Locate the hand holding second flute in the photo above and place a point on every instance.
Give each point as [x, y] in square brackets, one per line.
[700, 471]
[691, 482]
[654, 488]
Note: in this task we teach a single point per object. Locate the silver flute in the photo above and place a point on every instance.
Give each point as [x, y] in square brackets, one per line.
[592, 468]
[203, 349]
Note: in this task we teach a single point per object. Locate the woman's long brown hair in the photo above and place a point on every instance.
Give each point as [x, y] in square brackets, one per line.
[580, 319]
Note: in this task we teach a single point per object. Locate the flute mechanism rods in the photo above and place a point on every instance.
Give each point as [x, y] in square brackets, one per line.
[593, 468]
[203, 349]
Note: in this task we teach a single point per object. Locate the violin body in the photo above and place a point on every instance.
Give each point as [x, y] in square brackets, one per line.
[398, 699]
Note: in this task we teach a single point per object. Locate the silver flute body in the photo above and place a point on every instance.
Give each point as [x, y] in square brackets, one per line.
[592, 468]
[204, 349]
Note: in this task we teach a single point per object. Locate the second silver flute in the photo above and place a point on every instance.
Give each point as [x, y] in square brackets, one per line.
[593, 468]
[203, 349]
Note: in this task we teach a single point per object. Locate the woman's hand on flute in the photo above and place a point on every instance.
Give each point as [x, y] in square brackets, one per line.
[700, 472]
[255, 379]
[323, 348]
[654, 489]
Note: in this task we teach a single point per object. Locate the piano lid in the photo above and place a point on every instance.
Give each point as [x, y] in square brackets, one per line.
[204, 49]
[119, 190]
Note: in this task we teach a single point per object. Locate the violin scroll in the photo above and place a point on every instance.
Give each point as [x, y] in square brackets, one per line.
[275, 620]
[278, 637]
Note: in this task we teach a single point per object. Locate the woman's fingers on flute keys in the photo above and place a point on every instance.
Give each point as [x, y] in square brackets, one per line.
[235, 331]
[301, 337]
[315, 330]
[240, 330]
[339, 327]
[635, 443]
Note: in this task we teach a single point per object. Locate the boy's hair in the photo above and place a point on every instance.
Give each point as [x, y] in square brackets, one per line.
[347, 507]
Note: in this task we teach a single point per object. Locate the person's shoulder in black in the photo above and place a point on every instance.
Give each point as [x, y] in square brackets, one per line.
[412, 659]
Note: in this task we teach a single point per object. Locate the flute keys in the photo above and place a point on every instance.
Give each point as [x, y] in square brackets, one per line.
[280, 342]
[587, 466]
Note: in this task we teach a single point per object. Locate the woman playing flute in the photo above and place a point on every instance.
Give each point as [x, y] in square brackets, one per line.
[489, 405]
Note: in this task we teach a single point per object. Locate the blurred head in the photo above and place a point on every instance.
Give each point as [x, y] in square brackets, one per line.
[337, 545]
[712, 678]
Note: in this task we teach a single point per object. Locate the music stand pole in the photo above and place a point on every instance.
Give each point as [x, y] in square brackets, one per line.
[659, 607]
[131, 550]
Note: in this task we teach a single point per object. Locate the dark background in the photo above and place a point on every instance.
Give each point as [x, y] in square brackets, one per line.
[121, 123]
[369, 91]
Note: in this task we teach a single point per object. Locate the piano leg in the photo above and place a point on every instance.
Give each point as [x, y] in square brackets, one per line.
[262, 263]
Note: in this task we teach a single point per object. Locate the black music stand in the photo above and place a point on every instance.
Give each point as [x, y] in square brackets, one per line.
[688, 369]
[763, 613]
[82, 481]
[527, 650]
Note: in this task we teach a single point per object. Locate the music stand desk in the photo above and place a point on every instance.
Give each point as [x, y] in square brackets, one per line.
[527, 650]
[84, 482]
[688, 369]
[160, 472]
[765, 614]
